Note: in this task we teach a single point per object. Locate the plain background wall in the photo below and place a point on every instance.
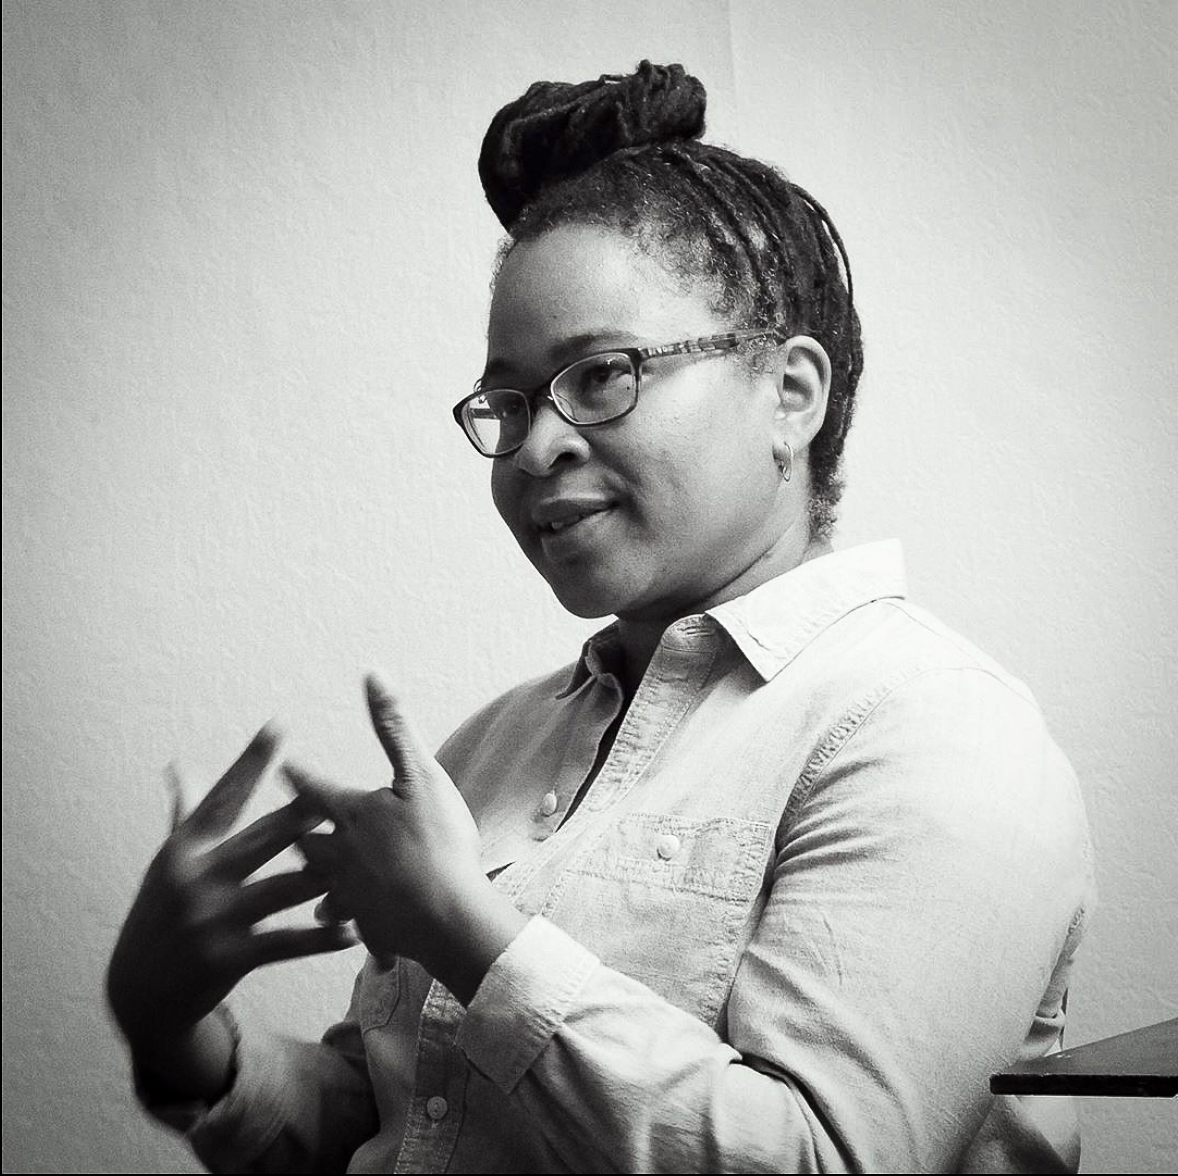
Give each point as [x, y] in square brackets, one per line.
[246, 274]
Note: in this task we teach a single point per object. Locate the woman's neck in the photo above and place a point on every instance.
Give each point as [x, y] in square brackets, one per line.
[639, 636]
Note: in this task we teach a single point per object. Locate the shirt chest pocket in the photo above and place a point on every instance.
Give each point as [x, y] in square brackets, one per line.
[667, 900]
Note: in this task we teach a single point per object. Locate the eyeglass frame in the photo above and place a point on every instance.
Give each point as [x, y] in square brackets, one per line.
[637, 357]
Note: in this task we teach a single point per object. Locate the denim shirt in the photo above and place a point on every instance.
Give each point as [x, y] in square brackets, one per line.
[830, 876]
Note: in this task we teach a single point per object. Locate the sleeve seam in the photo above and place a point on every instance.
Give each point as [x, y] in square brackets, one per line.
[839, 734]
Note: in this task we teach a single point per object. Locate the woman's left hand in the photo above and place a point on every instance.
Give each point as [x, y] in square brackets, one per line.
[403, 861]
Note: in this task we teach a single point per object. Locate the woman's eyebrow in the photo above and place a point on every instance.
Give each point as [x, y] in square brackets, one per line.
[567, 350]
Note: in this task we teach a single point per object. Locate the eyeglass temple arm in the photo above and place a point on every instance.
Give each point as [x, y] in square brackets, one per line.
[712, 342]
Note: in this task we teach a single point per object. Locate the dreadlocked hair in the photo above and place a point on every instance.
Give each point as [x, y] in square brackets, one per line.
[623, 152]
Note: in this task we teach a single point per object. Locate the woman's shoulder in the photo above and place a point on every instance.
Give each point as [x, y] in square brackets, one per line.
[932, 641]
[895, 684]
[890, 643]
[925, 727]
[843, 625]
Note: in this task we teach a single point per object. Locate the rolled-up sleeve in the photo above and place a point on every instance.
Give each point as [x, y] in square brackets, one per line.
[294, 1106]
[929, 884]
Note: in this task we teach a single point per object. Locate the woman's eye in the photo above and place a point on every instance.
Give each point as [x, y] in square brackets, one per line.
[601, 373]
[603, 376]
[497, 406]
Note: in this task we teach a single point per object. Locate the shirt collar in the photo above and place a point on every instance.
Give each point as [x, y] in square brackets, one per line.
[774, 622]
[598, 657]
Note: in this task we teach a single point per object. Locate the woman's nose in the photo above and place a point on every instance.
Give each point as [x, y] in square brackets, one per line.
[550, 442]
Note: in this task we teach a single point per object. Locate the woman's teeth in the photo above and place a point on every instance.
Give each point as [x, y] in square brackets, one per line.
[563, 523]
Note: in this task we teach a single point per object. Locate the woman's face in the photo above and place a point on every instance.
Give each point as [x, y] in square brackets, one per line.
[681, 496]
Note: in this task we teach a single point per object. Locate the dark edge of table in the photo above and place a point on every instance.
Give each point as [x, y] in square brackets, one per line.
[1142, 1063]
[1123, 1085]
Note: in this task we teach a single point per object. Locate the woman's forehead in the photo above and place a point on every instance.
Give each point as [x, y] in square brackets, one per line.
[585, 282]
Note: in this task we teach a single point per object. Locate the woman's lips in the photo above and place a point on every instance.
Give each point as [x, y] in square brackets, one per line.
[565, 510]
[559, 525]
[572, 529]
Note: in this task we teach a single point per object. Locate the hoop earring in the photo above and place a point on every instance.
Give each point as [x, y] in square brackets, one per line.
[785, 465]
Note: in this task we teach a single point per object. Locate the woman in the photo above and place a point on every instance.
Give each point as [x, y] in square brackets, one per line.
[771, 878]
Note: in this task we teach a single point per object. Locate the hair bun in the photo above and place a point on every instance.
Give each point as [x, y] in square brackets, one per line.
[559, 129]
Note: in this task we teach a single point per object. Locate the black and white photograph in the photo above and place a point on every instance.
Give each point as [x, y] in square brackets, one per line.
[590, 587]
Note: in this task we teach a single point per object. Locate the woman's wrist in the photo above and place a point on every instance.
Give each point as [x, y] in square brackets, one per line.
[198, 1065]
[480, 927]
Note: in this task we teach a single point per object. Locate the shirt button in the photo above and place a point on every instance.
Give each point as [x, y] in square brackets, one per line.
[548, 804]
[437, 1107]
[668, 846]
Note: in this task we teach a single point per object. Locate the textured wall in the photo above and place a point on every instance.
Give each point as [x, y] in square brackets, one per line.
[245, 270]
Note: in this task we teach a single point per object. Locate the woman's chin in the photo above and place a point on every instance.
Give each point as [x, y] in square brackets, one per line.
[582, 601]
[583, 594]
[589, 598]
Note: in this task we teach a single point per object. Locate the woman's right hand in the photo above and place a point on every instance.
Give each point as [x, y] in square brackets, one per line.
[191, 933]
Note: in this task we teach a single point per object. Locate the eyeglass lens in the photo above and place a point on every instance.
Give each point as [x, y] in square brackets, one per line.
[589, 392]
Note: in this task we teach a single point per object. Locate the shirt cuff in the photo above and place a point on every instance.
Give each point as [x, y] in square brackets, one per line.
[182, 1114]
[523, 1000]
[244, 1121]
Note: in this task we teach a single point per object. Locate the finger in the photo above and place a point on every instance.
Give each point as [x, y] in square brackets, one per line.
[329, 909]
[225, 800]
[318, 794]
[268, 836]
[398, 736]
[321, 851]
[268, 947]
[279, 892]
[175, 786]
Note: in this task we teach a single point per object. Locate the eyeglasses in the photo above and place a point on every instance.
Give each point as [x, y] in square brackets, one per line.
[591, 391]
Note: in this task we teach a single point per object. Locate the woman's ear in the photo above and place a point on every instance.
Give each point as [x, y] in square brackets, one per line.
[803, 375]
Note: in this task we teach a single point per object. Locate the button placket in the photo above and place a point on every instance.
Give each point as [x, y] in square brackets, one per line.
[672, 682]
[434, 1121]
[667, 692]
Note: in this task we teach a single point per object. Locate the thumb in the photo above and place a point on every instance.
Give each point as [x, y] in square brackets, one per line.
[398, 736]
[320, 795]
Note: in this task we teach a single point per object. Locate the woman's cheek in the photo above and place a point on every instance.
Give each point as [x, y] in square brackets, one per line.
[505, 497]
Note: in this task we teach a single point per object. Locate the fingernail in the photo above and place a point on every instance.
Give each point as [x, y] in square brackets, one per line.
[172, 780]
[175, 787]
[269, 736]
